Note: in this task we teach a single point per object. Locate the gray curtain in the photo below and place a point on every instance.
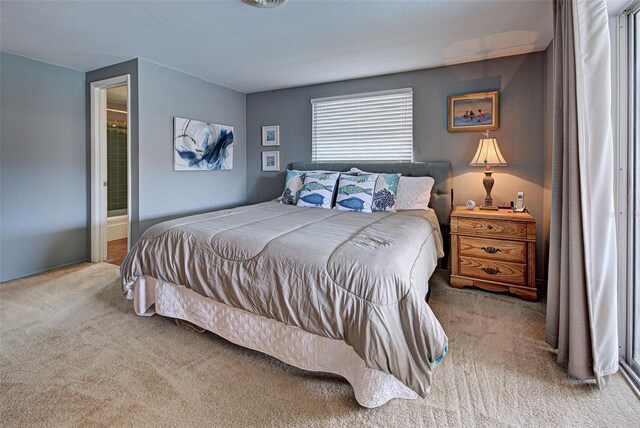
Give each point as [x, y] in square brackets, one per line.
[578, 325]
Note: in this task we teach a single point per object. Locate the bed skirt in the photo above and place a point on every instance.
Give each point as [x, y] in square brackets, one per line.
[308, 351]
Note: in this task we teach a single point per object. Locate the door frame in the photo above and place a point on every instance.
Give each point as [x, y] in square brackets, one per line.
[98, 211]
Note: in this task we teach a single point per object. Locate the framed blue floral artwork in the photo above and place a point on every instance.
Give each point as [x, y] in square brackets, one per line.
[199, 145]
[271, 135]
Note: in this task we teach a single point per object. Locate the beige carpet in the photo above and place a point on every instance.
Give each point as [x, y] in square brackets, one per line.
[72, 353]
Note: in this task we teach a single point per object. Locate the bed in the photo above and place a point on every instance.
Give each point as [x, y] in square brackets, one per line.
[323, 290]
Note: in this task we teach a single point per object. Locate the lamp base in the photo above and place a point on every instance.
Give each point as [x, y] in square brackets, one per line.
[487, 181]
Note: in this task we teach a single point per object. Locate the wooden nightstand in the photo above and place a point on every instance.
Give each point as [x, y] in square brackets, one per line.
[494, 250]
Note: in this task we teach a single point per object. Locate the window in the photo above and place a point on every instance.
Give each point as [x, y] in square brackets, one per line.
[376, 126]
[628, 137]
[634, 201]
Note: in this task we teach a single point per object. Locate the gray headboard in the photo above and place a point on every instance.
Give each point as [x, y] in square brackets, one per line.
[439, 171]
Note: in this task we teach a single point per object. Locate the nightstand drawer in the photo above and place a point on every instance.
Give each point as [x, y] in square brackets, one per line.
[494, 249]
[494, 270]
[479, 226]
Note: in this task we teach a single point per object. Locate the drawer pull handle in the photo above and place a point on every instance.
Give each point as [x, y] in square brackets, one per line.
[490, 227]
[491, 271]
[490, 250]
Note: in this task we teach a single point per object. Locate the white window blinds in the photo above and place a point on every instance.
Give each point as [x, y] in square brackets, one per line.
[376, 126]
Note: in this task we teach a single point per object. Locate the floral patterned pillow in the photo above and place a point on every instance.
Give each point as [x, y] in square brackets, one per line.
[386, 191]
[292, 187]
[384, 196]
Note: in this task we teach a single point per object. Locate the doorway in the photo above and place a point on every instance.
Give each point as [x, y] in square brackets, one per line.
[110, 170]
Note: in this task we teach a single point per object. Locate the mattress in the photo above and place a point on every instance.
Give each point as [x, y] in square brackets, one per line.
[355, 277]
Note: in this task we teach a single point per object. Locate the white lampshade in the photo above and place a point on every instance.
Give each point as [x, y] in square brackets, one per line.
[488, 153]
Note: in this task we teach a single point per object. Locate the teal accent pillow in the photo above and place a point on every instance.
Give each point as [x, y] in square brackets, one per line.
[355, 192]
[292, 187]
[317, 189]
[384, 195]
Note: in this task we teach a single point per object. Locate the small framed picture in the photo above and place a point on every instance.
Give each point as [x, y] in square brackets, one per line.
[473, 112]
[271, 135]
[271, 161]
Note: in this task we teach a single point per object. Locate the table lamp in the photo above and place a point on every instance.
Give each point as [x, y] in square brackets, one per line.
[488, 155]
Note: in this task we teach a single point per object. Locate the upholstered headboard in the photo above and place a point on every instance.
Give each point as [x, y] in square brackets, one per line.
[439, 171]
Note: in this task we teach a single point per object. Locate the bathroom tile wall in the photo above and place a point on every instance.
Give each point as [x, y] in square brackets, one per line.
[116, 166]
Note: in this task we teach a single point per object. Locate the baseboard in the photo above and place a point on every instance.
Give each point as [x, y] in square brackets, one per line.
[49, 269]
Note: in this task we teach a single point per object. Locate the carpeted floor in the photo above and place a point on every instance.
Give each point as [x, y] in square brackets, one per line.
[73, 353]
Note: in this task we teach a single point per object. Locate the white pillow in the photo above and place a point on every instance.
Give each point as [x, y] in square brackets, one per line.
[414, 193]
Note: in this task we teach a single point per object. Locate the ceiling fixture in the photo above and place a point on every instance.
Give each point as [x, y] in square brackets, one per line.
[265, 3]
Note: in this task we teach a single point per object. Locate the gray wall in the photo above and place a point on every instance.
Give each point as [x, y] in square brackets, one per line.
[520, 80]
[157, 95]
[43, 187]
[164, 193]
[44, 154]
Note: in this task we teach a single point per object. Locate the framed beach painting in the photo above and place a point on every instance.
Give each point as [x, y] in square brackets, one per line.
[473, 112]
[271, 161]
[271, 135]
[201, 146]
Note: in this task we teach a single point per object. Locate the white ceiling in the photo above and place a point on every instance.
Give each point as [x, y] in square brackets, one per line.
[302, 42]
[614, 7]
